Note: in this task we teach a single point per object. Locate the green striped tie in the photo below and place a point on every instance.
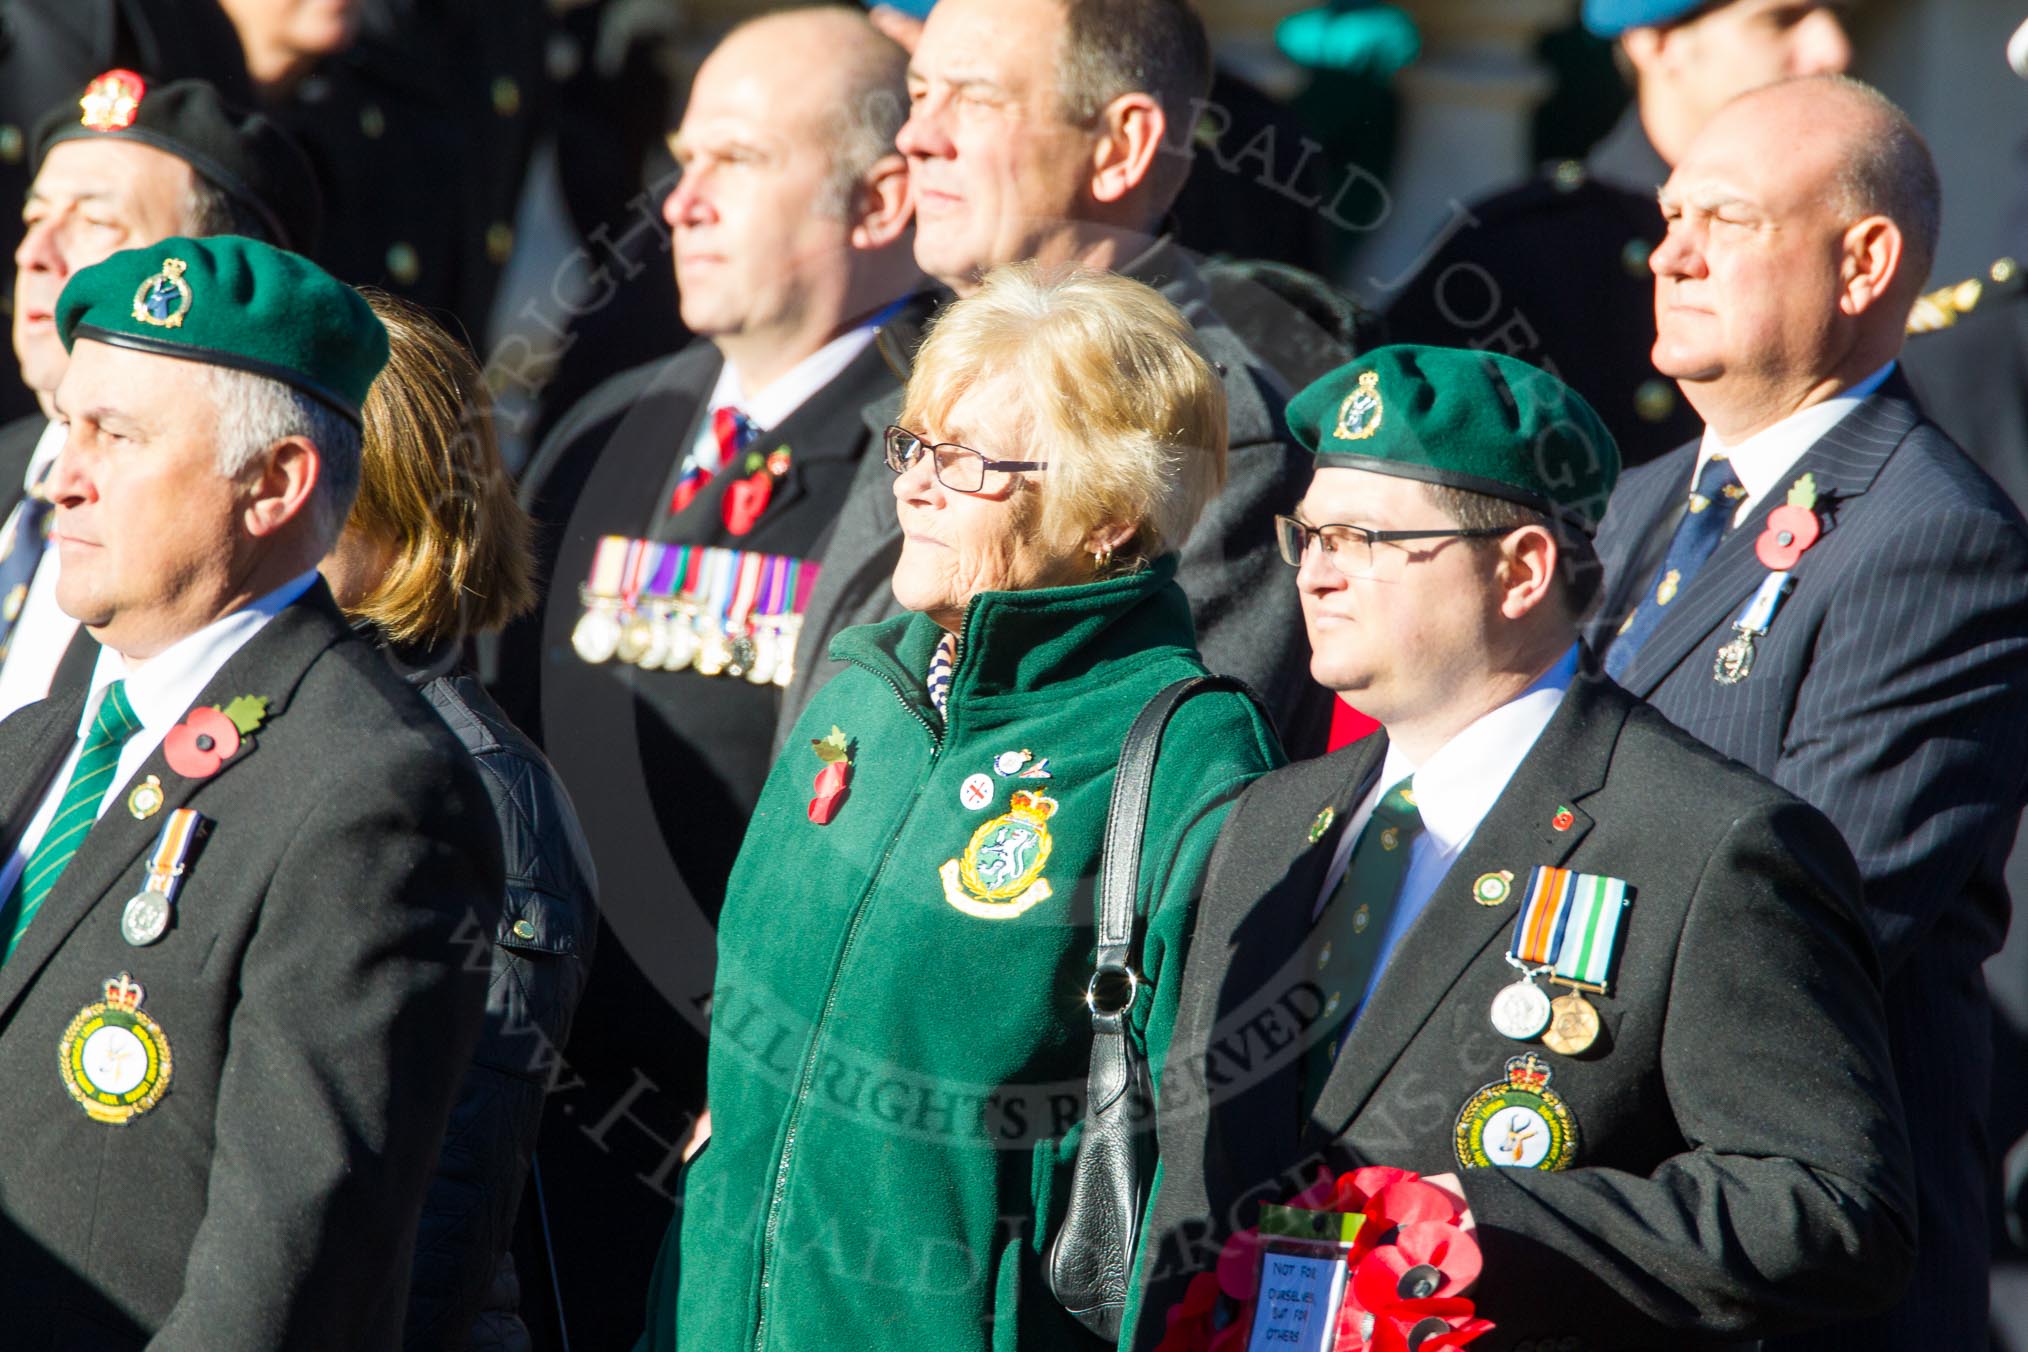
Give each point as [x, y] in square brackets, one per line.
[1346, 938]
[75, 813]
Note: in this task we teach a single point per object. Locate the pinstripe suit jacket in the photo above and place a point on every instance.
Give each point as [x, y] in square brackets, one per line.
[1891, 693]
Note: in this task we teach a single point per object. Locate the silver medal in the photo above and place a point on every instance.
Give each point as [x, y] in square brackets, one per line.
[145, 919]
[1734, 660]
[597, 635]
[1521, 1011]
[658, 643]
[682, 644]
[765, 646]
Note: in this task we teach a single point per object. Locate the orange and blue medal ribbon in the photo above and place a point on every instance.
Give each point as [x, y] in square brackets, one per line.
[1567, 930]
[148, 912]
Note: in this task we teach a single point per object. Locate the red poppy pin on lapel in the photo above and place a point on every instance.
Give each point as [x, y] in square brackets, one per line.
[747, 498]
[1791, 528]
[208, 737]
[836, 753]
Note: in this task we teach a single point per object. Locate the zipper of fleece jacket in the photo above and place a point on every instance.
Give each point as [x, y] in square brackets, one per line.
[771, 1228]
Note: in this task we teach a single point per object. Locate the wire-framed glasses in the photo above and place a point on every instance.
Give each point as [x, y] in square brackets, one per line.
[958, 468]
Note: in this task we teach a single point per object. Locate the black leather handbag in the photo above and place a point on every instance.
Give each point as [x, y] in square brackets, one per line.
[1089, 1261]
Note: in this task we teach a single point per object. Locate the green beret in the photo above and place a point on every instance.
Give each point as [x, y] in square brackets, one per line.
[235, 302]
[1473, 420]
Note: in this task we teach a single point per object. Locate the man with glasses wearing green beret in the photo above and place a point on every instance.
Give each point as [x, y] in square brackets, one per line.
[239, 873]
[1611, 990]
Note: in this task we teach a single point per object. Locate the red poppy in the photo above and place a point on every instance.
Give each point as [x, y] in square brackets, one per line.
[1189, 1328]
[202, 742]
[830, 788]
[745, 500]
[1426, 1333]
[1429, 1263]
[1790, 531]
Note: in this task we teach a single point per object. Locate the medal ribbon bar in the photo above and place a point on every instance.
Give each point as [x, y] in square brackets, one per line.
[1569, 924]
[172, 849]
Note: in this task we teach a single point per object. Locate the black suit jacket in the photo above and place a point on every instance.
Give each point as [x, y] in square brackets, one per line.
[664, 768]
[316, 997]
[17, 448]
[1890, 695]
[1741, 1164]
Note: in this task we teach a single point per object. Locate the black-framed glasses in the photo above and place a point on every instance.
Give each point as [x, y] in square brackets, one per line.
[1350, 550]
[958, 468]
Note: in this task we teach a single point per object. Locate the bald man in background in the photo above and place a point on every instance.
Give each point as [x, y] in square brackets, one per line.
[1826, 588]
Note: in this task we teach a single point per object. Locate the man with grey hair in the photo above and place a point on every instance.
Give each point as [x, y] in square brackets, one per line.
[239, 867]
[120, 164]
[1050, 130]
[1826, 588]
[654, 675]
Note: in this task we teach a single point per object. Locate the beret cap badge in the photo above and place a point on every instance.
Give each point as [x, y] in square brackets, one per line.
[1359, 416]
[112, 101]
[163, 299]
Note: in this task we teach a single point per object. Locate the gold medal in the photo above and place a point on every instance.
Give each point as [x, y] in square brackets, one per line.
[636, 637]
[714, 651]
[1573, 1025]
[146, 799]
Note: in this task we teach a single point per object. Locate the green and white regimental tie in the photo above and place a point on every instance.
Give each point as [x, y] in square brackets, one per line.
[75, 812]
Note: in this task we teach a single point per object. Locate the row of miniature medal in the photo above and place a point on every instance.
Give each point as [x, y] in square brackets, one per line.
[718, 612]
[1566, 931]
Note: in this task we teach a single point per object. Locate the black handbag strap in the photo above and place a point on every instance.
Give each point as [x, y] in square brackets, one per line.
[1114, 983]
[1088, 1260]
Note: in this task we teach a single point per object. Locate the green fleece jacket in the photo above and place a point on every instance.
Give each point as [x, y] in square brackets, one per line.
[898, 1040]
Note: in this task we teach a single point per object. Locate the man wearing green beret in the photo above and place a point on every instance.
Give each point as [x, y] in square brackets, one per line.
[239, 874]
[1609, 990]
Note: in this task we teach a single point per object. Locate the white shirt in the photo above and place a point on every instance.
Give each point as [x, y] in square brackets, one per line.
[1763, 460]
[783, 396]
[1454, 790]
[43, 630]
[161, 690]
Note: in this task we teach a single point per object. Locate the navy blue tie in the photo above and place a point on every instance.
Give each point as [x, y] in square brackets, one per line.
[1708, 515]
[24, 543]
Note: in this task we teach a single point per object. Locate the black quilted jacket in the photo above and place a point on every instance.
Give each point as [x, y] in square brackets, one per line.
[463, 1291]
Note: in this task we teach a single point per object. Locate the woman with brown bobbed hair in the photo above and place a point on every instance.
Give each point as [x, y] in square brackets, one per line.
[435, 551]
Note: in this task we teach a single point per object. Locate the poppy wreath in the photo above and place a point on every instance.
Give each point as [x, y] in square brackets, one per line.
[1410, 1266]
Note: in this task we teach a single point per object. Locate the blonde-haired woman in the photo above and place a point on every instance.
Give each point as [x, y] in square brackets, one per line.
[435, 551]
[899, 1039]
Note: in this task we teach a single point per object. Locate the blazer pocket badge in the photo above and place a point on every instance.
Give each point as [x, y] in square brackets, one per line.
[1516, 1123]
[115, 1059]
[999, 876]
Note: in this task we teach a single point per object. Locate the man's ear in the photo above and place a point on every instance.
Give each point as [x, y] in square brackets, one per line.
[885, 205]
[1528, 562]
[1643, 47]
[279, 484]
[1871, 267]
[1130, 136]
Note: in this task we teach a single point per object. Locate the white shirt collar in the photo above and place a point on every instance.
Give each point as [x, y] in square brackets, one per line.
[47, 447]
[794, 387]
[163, 688]
[1764, 459]
[1458, 785]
